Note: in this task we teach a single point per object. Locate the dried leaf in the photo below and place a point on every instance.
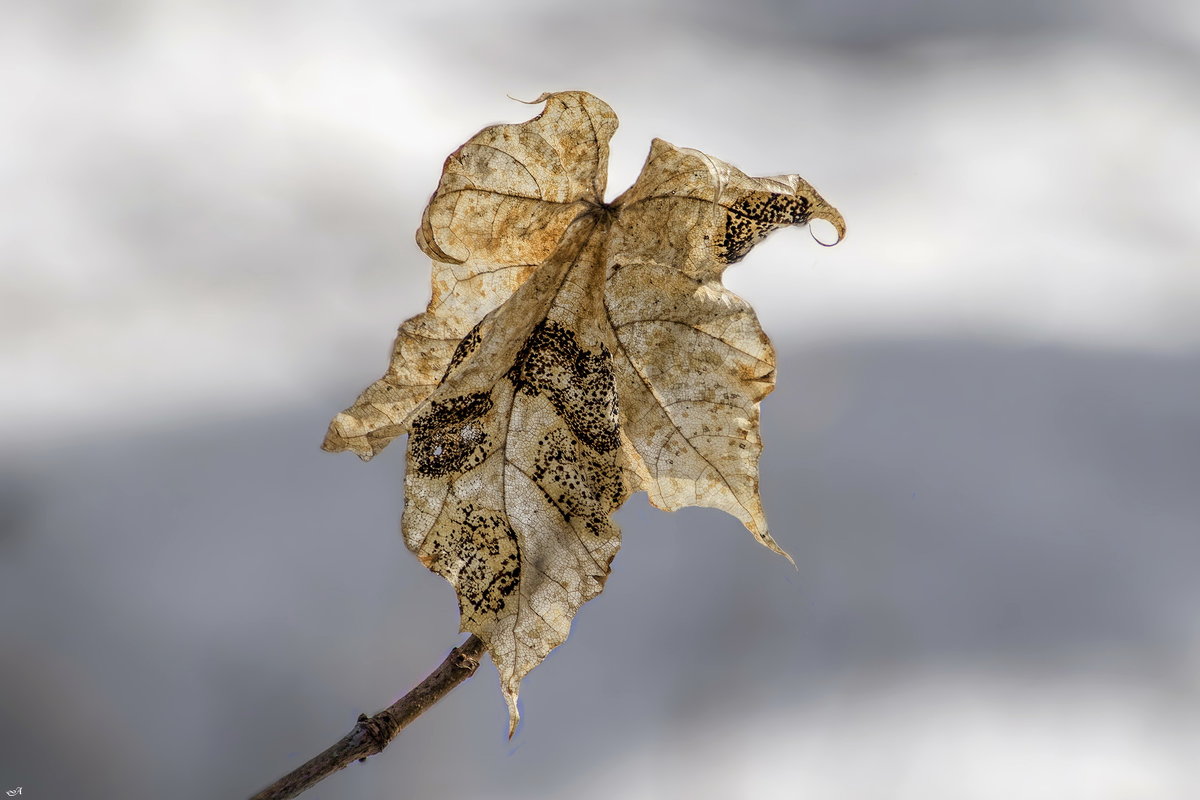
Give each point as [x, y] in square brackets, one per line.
[573, 352]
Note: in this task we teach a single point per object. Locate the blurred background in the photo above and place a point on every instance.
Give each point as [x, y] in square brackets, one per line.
[983, 452]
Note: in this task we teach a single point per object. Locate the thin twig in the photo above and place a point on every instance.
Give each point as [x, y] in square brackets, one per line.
[371, 734]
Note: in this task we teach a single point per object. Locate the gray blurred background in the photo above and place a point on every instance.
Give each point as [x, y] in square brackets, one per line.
[984, 450]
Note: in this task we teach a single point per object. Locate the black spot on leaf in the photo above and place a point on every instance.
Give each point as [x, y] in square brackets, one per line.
[468, 345]
[579, 384]
[748, 221]
[450, 437]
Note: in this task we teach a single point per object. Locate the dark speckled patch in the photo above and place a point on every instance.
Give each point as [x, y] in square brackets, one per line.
[579, 384]
[468, 345]
[482, 559]
[450, 436]
[580, 483]
[748, 221]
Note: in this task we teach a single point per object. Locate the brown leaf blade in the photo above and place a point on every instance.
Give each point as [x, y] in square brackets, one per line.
[504, 201]
[516, 462]
[698, 362]
[509, 193]
[573, 352]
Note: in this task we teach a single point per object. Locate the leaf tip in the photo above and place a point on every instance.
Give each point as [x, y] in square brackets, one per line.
[514, 714]
[769, 542]
[829, 214]
[541, 98]
[545, 96]
[791, 560]
[347, 432]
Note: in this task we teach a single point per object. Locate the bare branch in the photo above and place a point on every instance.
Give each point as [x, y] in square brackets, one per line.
[371, 734]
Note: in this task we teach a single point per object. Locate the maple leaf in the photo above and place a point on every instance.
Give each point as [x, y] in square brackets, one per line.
[573, 352]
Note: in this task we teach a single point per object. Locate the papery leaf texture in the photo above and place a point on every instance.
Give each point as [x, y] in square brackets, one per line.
[573, 352]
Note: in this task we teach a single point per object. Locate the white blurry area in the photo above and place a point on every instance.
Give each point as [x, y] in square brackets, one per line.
[209, 207]
[977, 736]
[206, 217]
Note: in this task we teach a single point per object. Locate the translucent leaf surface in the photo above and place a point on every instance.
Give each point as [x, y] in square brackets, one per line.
[573, 352]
